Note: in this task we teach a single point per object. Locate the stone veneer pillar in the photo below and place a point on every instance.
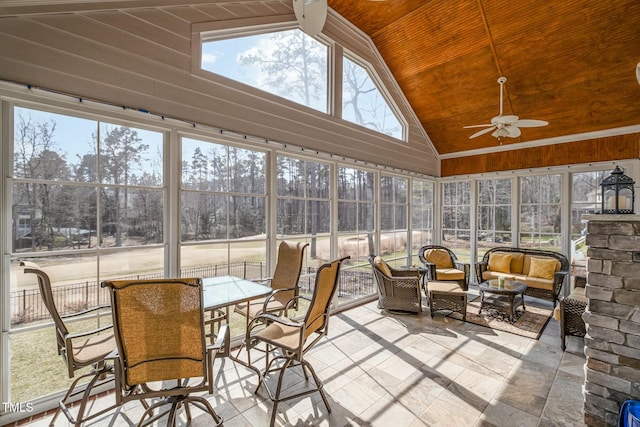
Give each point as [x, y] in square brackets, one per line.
[612, 344]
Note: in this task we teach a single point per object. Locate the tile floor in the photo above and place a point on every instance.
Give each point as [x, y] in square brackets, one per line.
[406, 370]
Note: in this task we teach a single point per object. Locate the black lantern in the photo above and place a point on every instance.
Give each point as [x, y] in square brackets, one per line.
[617, 193]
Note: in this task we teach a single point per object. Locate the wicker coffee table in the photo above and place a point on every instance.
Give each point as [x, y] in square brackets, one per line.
[501, 298]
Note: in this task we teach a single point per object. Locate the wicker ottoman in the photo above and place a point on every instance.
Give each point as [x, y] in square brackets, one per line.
[569, 313]
[447, 296]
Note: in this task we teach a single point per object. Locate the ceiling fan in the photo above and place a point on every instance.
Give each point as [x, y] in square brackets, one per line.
[506, 125]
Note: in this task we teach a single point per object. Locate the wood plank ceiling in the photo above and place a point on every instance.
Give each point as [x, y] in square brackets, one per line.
[571, 63]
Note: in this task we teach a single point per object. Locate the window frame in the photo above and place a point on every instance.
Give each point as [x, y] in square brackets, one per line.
[382, 89]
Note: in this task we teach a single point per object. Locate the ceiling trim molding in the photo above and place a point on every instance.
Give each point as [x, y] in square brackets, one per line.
[547, 141]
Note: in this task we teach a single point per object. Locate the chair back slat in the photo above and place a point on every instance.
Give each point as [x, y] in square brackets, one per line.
[159, 328]
[325, 288]
[46, 292]
[288, 268]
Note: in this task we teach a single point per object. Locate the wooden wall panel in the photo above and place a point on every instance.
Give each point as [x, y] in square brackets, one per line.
[618, 147]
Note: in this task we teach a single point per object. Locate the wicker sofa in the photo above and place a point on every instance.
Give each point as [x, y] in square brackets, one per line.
[544, 272]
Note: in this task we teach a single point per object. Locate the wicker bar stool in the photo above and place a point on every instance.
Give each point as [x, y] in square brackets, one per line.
[447, 296]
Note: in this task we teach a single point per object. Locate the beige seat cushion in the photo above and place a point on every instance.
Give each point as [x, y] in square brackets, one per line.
[382, 265]
[86, 349]
[439, 257]
[500, 262]
[535, 282]
[449, 274]
[488, 275]
[444, 287]
[285, 336]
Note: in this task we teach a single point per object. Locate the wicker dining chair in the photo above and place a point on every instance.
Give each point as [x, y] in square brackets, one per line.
[161, 346]
[293, 338]
[79, 350]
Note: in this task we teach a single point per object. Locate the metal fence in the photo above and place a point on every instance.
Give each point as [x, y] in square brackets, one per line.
[27, 306]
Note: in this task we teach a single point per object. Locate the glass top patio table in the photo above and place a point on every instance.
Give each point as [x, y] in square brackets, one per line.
[223, 291]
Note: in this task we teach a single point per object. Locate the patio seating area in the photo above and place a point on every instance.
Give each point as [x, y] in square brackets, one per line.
[382, 369]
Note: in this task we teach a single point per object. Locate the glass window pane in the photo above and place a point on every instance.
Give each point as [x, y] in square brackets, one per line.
[53, 217]
[318, 180]
[290, 177]
[347, 216]
[291, 217]
[246, 171]
[204, 165]
[290, 64]
[364, 104]
[247, 216]
[129, 155]
[204, 216]
[540, 211]
[131, 217]
[54, 147]
[318, 217]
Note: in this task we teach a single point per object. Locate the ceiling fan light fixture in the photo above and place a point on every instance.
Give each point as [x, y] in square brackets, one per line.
[508, 125]
[638, 72]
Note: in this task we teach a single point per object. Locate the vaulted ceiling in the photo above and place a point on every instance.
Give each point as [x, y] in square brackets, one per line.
[571, 63]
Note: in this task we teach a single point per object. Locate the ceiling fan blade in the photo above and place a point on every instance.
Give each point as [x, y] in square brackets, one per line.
[504, 120]
[483, 131]
[514, 131]
[527, 123]
[478, 126]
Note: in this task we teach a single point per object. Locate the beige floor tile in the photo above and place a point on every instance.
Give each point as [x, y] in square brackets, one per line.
[387, 412]
[498, 414]
[407, 370]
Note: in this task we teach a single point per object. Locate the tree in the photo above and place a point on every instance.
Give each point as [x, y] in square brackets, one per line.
[362, 98]
[121, 149]
[35, 158]
[292, 65]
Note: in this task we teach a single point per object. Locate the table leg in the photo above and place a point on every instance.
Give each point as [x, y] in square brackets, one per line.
[513, 307]
[481, 300]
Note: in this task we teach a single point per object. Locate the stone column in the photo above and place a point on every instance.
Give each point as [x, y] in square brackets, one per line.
[612, 344]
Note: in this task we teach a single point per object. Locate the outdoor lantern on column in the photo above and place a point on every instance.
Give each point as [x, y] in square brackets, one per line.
[617, 193]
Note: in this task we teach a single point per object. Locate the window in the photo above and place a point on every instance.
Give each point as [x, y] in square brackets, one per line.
[223, 210]
[356, 229]
[393, 218]
[421, 216]
[87, 205]
[304, 207]
[540, 211]
[456, 218]
[494, 214]
[585, 199]
[290, 64]
[364, 104]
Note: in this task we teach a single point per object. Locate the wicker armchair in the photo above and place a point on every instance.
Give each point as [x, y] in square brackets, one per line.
[399, 290]
[443, 265]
